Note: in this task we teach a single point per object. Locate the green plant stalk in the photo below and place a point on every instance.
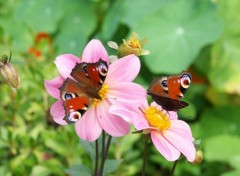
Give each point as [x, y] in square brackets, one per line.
[104, 154]
[173, 168]
[144, 156]
[96, 158]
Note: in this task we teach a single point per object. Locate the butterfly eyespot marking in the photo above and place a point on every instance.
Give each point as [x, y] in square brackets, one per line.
[164, 84]
[74, 116]
[84, 67]
[102, 68]
[67, 96]
[185, 80]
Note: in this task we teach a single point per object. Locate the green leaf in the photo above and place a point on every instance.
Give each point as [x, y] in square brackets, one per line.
[188, 113]
[40, 170]
[220, 120]
[42, 16]
[19, 36]
[225, 65]
[78, 170]
[89, 147]
[232, 173]
[227, 11]
[79, 17]
[70, 42]
[178, 31]
[111, 166]
[129, 12]
[223, 148]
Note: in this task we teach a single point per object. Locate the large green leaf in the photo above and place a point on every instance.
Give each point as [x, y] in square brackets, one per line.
[225, 63]
[177, 32]
[16, 33]
[223, 148]
[220, 120]
[78, 23]
[41, 16]
[225, 66]
[129, 12]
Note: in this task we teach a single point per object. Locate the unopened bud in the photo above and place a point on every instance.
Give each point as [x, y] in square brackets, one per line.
[9, 75]
[199, 158]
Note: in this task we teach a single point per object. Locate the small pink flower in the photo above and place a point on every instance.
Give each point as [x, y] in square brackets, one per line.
[117, 89]
[170, 136]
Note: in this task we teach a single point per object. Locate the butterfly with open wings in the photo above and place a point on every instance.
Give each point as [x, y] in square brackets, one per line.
[167, 91]
[78, 94]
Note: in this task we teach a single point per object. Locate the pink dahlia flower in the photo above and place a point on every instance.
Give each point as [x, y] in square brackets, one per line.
[117, 89]
[170, 136]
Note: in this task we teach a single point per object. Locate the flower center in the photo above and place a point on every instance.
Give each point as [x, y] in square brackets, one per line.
[157, 119]
[102, 93]
[134, 43]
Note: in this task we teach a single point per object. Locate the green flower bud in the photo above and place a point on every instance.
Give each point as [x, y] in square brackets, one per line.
[199, 158]
[9, 74]
[131, 46]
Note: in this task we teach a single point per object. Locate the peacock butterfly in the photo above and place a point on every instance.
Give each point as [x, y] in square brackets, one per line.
[78, 94]
[167, 91]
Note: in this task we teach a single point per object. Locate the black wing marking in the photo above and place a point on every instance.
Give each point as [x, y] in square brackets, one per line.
[168, 104]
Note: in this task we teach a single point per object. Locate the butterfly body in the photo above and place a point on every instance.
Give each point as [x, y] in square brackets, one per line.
[78, 94]
[167, 91]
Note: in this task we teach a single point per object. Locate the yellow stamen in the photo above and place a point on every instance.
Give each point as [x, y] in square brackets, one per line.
[102, 93]
[157, 119]
[134, 43]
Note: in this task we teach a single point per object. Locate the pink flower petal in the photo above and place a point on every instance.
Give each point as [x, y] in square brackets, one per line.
[123, 111]
[65, 63]
[182, 128]
[58, 112]
[112, 124]
[139, 121]
[123, 70]
[88, 127]
[53, 85]
[127, 92]
[94, 51]
[164, 147]
[181, 143]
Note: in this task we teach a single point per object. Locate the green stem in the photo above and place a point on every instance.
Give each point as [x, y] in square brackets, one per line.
[173, 168]
[144, 156]
[104, 155]
[96, 158]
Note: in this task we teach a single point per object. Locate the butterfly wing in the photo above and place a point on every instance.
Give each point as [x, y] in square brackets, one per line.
[75, 100]
[178, 85]
[167, 91]
[90, 76]
[168, 104]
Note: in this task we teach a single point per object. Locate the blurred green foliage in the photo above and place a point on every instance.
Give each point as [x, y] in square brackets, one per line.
[202, 36]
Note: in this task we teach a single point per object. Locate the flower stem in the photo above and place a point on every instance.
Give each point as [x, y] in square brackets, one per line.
[144, 155]
[96, 158]
[173, 168]
[104, 153]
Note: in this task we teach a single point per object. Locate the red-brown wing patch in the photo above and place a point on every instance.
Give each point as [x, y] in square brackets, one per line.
[156, 88]
[76, 100]
[75, 108]
[90, 73]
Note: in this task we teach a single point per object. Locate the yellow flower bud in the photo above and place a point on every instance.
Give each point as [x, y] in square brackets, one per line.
[199, 158]
[131, 46]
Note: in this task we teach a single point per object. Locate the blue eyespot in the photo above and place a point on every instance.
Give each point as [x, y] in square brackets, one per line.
[68, 96]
